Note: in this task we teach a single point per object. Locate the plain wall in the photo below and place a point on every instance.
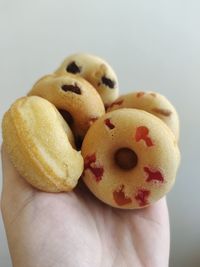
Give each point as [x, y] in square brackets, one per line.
[152, 45]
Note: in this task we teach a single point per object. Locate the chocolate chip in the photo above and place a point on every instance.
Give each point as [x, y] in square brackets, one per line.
[125, 158]
[108, 82]
[73, 68]
[71, 88]
[109, 124]
[66, 116]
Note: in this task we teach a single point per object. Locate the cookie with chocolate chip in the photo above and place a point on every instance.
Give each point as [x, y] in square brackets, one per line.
[96, 71]
[75, 98]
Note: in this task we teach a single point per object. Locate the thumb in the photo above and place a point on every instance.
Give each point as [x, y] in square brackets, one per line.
[15, 189]
[12, 181]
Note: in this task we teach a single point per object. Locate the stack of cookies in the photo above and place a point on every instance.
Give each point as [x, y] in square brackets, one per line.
[74, 125]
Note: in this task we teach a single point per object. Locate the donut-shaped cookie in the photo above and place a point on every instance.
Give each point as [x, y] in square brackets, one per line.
[40, 145]
[130, 158]
[74, 97]
[96, 71]
[153, 103]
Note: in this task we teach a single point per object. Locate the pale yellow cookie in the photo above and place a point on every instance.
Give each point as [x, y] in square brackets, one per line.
[41, 146]
[96, 71]
[153, 103]
[130, 158]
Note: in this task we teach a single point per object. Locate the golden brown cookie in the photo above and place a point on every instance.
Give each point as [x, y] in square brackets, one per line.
[74, 97]
[40, 145]
[130, 158]
[153, 103]
[96, 71]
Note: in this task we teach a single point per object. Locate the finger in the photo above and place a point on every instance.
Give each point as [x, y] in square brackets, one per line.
[14, 186]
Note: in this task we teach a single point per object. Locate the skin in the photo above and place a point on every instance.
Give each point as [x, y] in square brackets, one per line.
[75, 229]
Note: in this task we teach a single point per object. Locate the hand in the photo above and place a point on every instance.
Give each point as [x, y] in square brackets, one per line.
[75, 229]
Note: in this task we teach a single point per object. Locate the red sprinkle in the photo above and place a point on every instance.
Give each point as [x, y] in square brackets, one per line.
[89, 163]
[164, 112]
[88, 160]
[118, 102]
[153, 175]
[142, 197]
[142, 134]
[120, 198]
[109, 124]
[139, 94]
[98, 172]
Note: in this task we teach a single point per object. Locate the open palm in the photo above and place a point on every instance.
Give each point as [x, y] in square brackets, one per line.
[75, 229]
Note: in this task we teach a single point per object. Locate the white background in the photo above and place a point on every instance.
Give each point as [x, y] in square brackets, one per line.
[152, 45]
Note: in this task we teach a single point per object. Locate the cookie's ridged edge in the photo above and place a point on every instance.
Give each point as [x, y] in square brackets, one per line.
[21, 149]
